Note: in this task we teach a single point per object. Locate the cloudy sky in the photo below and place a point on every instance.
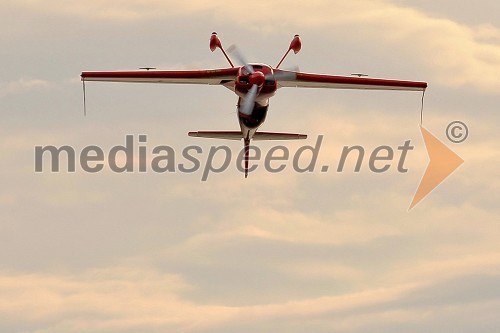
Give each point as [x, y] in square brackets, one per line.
[286, 252]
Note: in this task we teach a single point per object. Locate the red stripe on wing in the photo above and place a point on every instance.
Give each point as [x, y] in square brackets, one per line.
[347, 80]
[163, 74]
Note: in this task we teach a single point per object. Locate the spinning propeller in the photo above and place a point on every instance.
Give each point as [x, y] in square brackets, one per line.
[257, 78]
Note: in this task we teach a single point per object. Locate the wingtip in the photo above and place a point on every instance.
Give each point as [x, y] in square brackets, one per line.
[84, 98]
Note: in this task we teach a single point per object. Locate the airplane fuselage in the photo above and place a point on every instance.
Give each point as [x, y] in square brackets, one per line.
[266, 89]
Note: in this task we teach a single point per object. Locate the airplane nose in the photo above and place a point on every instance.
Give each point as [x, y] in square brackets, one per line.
[257, 78]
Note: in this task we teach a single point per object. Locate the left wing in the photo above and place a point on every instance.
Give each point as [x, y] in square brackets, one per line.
[206, 76]
[308, 80]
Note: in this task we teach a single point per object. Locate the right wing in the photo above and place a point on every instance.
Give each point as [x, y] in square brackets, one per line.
[308, 80]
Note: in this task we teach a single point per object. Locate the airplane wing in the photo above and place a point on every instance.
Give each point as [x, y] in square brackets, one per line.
[308, 80]
[207, 76]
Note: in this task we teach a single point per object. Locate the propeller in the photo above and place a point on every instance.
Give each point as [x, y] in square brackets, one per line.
[249, 100]
[283, 75]
[241, 59]
[257, 79]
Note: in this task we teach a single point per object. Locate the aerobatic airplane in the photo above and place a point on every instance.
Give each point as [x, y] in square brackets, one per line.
[255, 84]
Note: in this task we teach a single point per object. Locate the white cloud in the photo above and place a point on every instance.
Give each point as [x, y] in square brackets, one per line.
[23, 85]
[122, 298]
[191, 228]
[454, 54]
[114, 300]
[101, 299]
[117, 10]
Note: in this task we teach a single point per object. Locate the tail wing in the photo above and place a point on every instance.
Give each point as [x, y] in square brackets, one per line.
[278, 136]
[236, 135]
[226, 135]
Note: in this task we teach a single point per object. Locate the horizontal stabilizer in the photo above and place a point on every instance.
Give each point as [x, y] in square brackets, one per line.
[236, 135]
[227, 135]
[278, 136]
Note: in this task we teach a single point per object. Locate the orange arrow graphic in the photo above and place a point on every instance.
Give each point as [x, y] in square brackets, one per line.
[442, 162]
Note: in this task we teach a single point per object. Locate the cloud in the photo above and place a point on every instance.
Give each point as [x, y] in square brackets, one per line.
[23, 85]
[359, 262]
[116, 10]
[123, 299]
[294, 228]
[102, 299]
[139, 298]
[435, 271]
[452, 54]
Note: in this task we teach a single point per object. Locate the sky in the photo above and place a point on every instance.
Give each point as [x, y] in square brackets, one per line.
[288, 252]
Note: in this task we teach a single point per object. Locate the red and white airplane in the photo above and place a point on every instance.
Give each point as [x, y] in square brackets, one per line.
[255, 84]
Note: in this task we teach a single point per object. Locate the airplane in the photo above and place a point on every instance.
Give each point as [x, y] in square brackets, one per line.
[254, 84]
